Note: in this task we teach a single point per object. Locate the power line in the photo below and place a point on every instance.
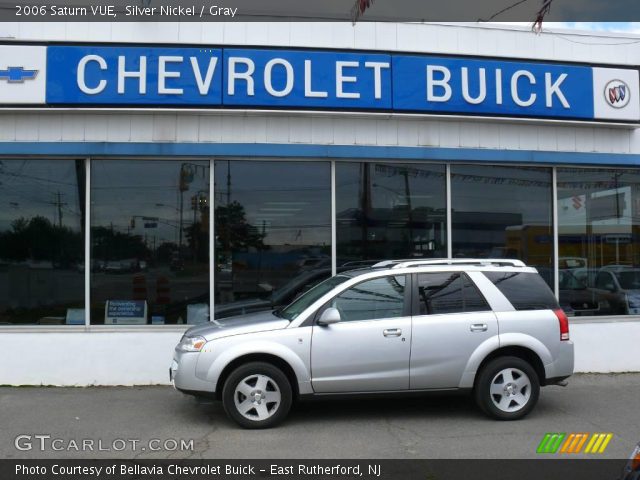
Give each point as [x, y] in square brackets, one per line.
[506, 9]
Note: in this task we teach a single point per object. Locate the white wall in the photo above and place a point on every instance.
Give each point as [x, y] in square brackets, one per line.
[143, 357]
[80, 359]
[606, 347]
[310, 128]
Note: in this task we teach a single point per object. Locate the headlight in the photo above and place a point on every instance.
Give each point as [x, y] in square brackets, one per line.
[635, 459]
[191, 344]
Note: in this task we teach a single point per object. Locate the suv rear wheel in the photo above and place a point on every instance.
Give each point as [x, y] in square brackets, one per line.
[507, 388]
[257, 395]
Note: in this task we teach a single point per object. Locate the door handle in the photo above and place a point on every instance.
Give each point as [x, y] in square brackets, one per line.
[479, 327]
[392, 332]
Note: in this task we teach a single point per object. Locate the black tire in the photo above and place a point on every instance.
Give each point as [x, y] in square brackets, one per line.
[516, 403]
[277, 383]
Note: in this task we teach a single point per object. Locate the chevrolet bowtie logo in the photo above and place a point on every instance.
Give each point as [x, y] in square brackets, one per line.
[17, 74]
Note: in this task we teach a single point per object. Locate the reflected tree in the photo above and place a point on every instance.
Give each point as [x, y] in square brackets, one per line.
[38, 239]
[234, 232]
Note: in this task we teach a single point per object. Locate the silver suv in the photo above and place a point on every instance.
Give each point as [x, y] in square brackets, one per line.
[492, 327]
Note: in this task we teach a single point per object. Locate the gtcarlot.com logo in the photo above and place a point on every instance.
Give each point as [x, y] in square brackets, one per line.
[45, 442]
[574, 443]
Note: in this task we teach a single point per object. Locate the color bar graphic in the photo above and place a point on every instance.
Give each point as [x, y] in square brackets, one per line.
[550, 442]
[598, 443]
[572, 443]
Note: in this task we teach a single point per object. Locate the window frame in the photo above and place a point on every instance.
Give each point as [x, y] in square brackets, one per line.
[416, 295]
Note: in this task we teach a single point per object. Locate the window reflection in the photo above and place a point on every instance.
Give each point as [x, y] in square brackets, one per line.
[598, 241]
[149, 242]
[390, 211]
[503, 212]
[273, 233]
[41, 242]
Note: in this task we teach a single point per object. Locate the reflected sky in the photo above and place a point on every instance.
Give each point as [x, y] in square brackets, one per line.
[30, 188]
[126, 189]
[289, 201]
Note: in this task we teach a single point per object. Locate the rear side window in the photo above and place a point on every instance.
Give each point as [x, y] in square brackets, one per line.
[449, 292]
[525, 291]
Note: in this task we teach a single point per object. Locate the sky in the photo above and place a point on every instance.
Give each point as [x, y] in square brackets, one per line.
[631, 27]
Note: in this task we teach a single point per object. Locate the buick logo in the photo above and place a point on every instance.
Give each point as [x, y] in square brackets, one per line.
[617, 94]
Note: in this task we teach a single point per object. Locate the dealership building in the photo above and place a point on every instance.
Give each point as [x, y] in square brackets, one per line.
[154, 175]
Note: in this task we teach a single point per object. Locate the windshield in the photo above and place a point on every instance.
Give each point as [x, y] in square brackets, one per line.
[301, 303]
[629, 280]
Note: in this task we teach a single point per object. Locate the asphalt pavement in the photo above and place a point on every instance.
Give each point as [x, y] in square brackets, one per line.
[126, 422]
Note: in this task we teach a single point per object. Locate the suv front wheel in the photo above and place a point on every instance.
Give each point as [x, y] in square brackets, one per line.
[507, 388]
[257, 395]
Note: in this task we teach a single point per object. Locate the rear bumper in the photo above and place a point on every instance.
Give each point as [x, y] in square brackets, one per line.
[562, 366]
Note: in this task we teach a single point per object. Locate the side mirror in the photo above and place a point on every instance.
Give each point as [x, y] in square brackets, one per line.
[329, 317]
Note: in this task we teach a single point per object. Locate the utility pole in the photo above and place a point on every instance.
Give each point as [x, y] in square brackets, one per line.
[59, 204]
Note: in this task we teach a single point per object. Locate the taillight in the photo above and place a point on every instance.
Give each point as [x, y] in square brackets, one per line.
[564, 324]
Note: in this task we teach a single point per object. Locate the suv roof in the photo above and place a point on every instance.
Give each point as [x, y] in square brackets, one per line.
[493, 262]
[440, 262]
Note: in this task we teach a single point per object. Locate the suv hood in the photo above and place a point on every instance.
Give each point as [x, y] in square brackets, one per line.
[252, 323]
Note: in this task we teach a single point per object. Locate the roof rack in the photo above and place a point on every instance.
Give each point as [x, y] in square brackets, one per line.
[501, 262]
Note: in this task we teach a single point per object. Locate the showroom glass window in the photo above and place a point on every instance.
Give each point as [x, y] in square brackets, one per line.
[149, 242]
[390, 211]
[42, 242]
[273, 232]
[599, 241]
[503, 212]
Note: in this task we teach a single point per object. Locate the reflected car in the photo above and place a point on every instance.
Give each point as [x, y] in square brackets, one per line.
[575, 296]
[278, 298]
[285, 294]
[618, 290]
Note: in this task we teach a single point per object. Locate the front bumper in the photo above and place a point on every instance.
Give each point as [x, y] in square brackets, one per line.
[182, 373]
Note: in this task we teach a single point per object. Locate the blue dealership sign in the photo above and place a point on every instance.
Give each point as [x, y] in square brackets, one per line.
[335, 80]
[251, 78]
[491, 87]
[134, 76]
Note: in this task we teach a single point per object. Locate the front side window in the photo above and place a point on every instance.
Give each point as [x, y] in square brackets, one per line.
[449, 292]
[292, 311]
[372, 300]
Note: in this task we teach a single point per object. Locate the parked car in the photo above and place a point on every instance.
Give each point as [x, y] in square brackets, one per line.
[632, 468]
[491, 327]
[576, 298]
[618, 289]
